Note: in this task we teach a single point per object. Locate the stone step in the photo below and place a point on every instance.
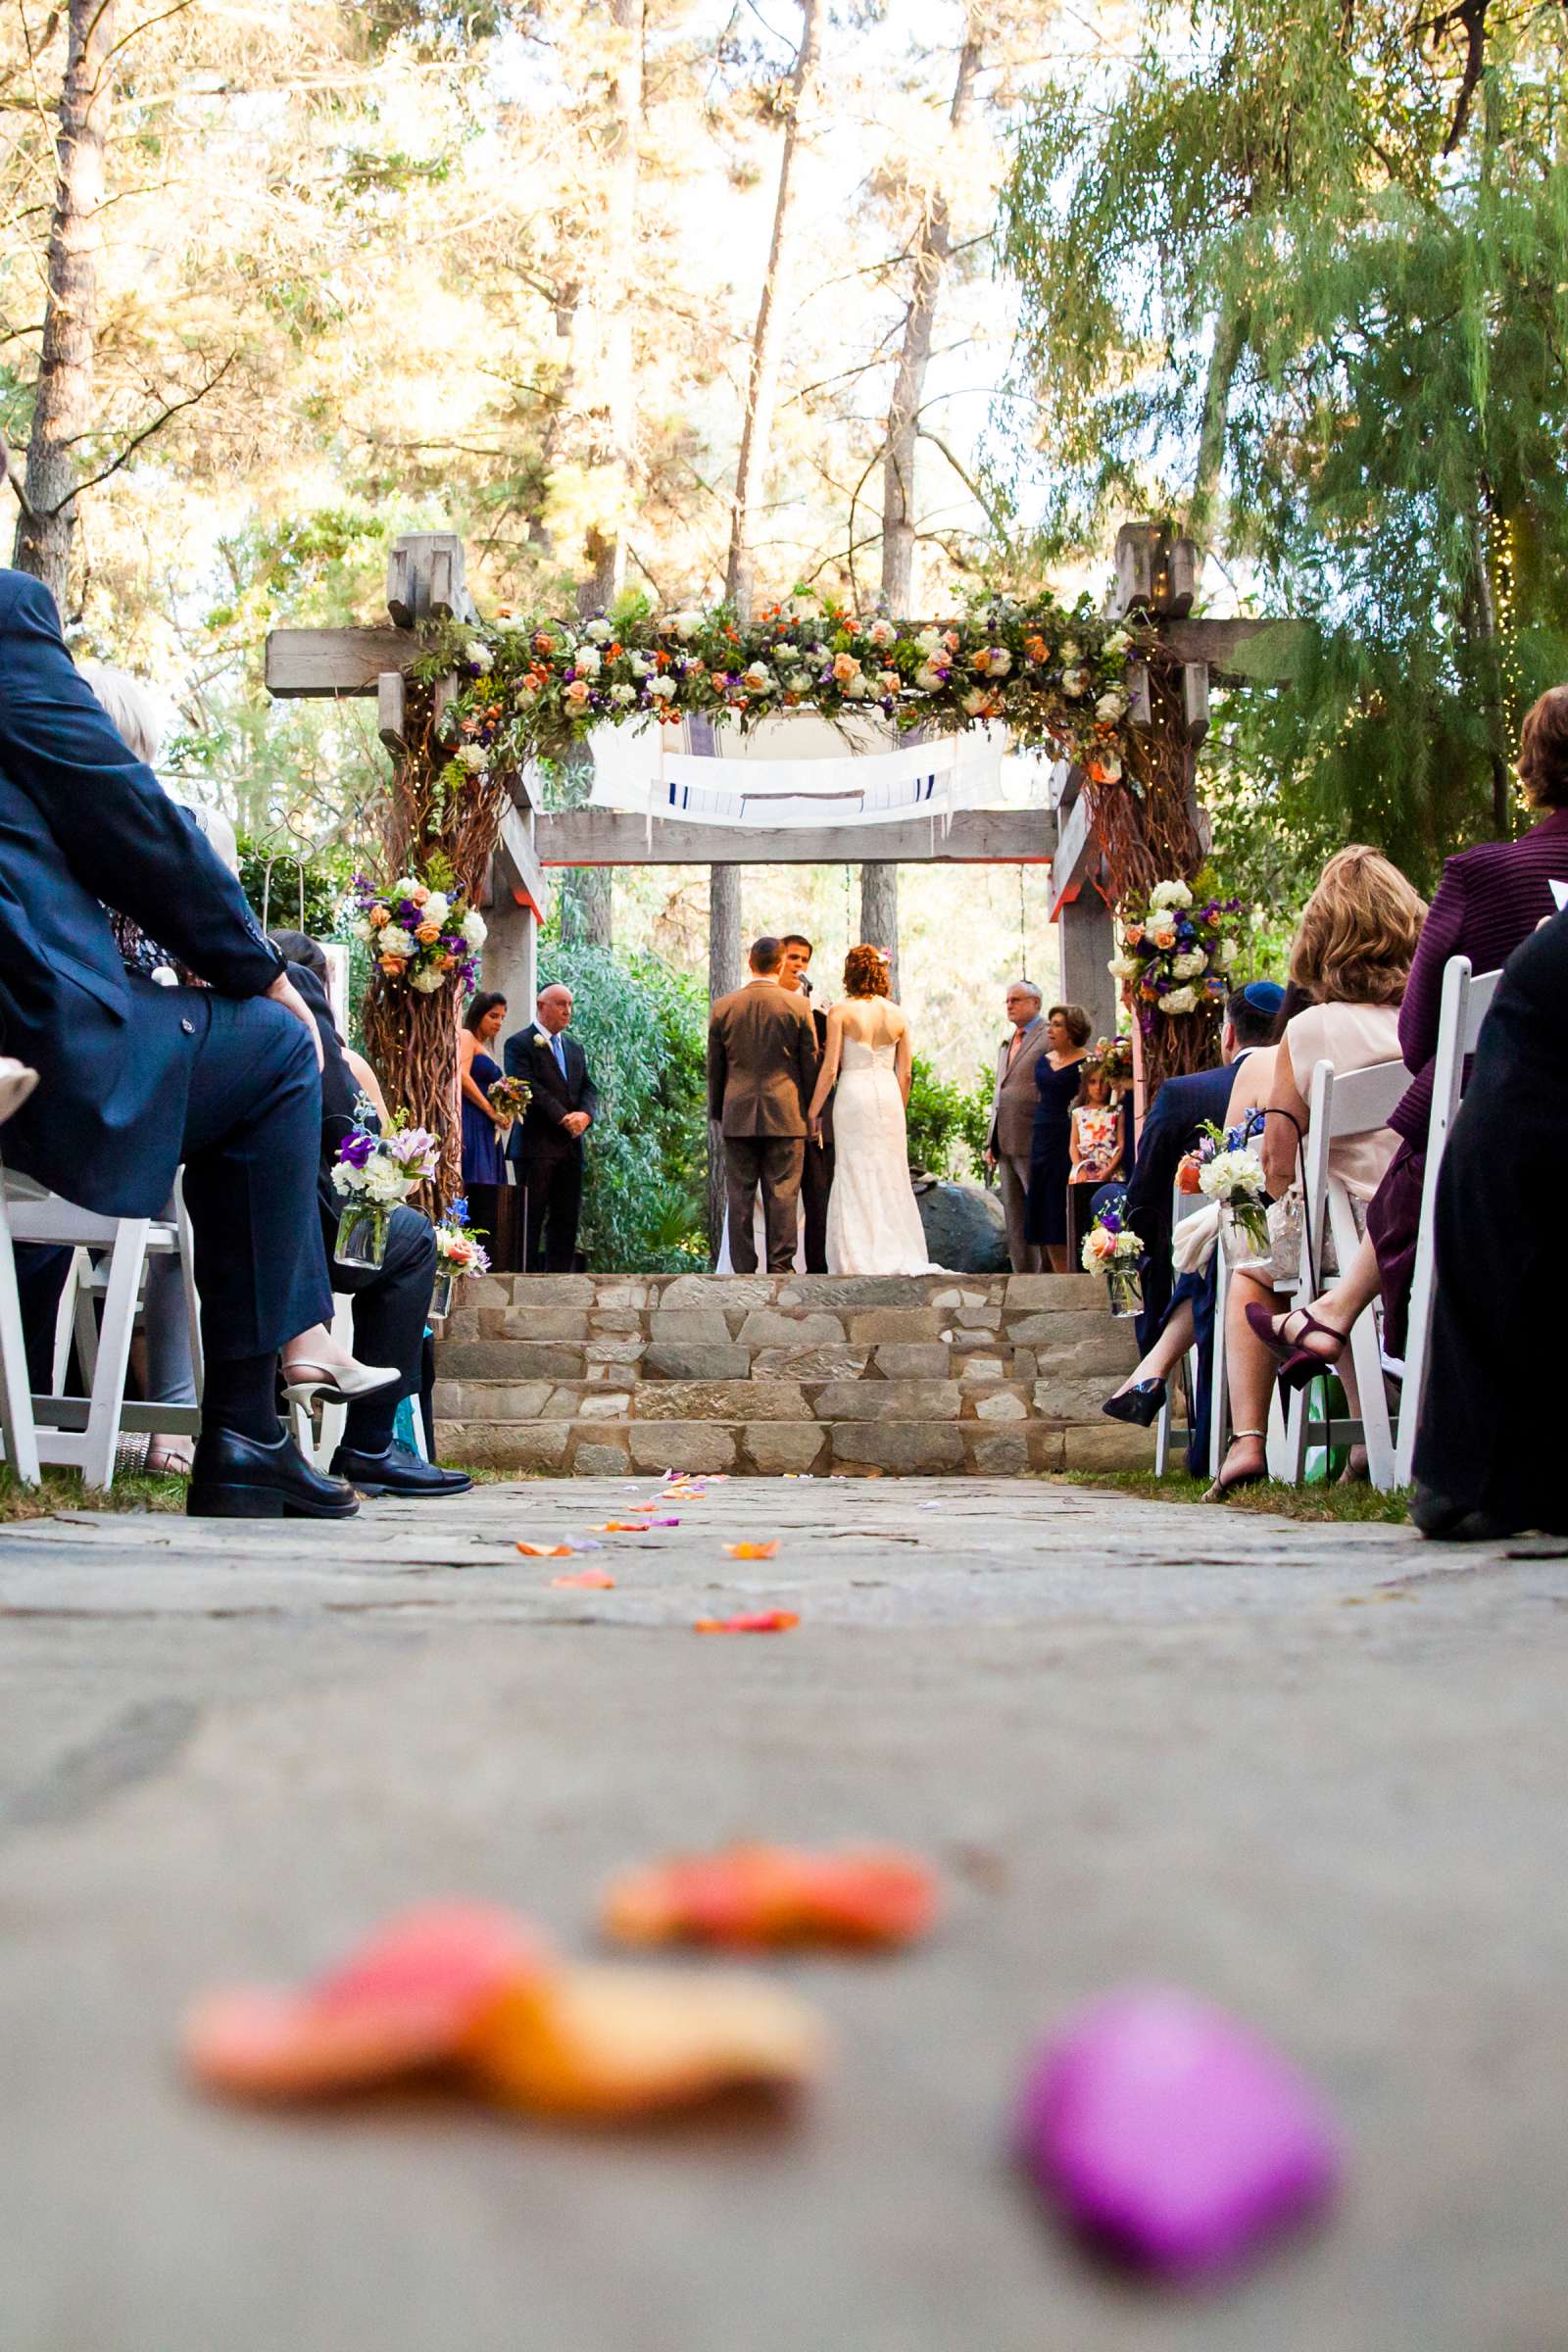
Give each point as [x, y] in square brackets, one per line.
[630, 1447]
[1050, 1399]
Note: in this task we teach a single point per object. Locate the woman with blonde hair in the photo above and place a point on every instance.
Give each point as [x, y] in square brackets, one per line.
[873, 1223]
[1353, 954]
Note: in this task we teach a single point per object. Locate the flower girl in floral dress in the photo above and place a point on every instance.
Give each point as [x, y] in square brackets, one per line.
[1095, 1148]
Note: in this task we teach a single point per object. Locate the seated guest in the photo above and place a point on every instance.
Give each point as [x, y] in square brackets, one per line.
[486, 1129]
[391, 1301]
[137, 1079]
[546, 1145]
[1489, 901]
[1253, 1016]
[1487, 1458]
[1068, 1030]
[1352, 954]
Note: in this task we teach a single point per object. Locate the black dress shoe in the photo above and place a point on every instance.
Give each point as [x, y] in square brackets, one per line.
[239, 1478]
[1142, 1405]
[397, 1471]
[1441, 1521]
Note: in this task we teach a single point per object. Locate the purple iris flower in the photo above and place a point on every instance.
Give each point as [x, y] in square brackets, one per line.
[356, 1149]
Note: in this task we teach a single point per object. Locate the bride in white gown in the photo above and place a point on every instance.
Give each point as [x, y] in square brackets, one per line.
[873, 1225]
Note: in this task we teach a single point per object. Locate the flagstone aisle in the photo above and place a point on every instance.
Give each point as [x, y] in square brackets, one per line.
[1315, 1773]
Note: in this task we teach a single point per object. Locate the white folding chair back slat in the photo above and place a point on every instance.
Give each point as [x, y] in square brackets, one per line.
[1466, 1002]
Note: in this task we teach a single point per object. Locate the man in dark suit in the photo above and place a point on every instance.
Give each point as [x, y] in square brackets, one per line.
[134, 1079]
[762, 1068]
[817, 1178]
[546, 1143]
[391, 1301]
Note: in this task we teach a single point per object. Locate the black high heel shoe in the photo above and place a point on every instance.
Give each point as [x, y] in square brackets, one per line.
[1142, 1404]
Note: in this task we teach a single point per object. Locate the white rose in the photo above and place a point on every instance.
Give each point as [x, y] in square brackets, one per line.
[428, 982]
[1178, 1000]
[889, 680]
[1187, 967]
[472, 927]
[600, 632]
[1116, 644]
[858, 687]
[1074, 681]
[589, 661]
[361, 930]
[686, 625]
[882, 632]
[1122, 967]
[1071, 651]
[786, 653]
[393, 940]
[1000, 664]
[1110, 707]
[437, 906]
[624, 694]
[662, 688]
[479, 653]
[404, 887]
[473, 756]
[640, 665]
[927, 678]
[757, 676]
[929, 642]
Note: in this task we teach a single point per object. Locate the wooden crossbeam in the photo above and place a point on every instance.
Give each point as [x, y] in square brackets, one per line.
[975, 836]
[1241, 652]
[520, 853]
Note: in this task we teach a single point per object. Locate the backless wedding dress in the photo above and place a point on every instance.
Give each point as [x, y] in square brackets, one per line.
[873, 1225]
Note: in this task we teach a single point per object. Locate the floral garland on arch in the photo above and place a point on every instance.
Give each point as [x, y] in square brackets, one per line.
[1055, 677]
[1176, 953]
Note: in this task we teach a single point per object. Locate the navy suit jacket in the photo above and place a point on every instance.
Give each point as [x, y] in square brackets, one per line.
[1170, 1132]
[83, 824]
[539, 1133]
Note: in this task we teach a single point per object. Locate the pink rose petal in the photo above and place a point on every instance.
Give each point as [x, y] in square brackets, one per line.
[1173, 2133]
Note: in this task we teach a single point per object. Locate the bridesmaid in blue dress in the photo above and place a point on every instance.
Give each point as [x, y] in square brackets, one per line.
[1058, 1075]
[484, 1132]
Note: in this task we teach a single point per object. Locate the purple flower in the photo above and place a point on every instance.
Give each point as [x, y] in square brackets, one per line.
[356, 1149]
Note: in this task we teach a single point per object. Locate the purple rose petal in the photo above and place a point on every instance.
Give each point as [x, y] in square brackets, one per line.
[1174, 2135]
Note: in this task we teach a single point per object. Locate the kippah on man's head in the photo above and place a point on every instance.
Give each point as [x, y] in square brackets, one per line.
[768, 953]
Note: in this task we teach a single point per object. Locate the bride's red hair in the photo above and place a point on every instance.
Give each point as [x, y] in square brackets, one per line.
[866, 972]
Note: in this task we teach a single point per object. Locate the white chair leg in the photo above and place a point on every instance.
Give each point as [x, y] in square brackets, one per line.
[15, 1400]
[1220, 1404]
[84, 1291]
[187, 1267]
[108, 1394]
[66, 1321]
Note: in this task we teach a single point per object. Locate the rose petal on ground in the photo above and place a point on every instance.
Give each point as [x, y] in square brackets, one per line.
[587, 1580]
[620, 1527]
[1174, 2135]
[760, 1621]
[545, 1551]
[609, 2043]
[751, 1551]
[406, 1999]
[753, 1896]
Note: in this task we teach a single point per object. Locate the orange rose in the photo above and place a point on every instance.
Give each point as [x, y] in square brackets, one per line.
[393, 964]
[427, 934]
[379, 915]
[1187, 1177]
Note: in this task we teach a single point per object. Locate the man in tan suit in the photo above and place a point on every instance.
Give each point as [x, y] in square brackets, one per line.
[762, 1068]
[1012, 1116]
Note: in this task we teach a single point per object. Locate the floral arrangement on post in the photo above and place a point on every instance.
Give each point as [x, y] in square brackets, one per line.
[1113, 1248]
[1232, 1173]
[459, 1253]
[1175, 952]
[373, 1173]
[421, 931]
[1055, 677]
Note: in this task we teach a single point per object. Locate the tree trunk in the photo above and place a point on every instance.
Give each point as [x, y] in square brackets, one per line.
[879, 915]
[63, 400]
[1231, 330]
[723, 974]
[772, 317]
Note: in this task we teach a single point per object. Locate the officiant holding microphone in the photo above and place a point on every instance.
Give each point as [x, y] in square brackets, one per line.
[546, 1144]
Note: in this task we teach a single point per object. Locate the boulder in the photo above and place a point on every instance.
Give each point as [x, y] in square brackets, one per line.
[965, 1228]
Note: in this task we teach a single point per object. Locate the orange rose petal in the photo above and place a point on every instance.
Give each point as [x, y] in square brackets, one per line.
[761, 1621]
[751, 1551]
[545, 1551]
[753, 1895]
[620, 2042]
[405, 2000]
[587, 1580]
[619, 1526]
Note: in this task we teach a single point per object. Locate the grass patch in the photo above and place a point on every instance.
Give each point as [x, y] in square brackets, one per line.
[63, 1491]
[1360, 1504]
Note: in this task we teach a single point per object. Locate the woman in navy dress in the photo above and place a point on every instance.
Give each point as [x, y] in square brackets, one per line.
[1057, 1074]
[484, 1130]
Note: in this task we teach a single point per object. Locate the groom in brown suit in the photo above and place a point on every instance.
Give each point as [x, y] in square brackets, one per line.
[762, 1068]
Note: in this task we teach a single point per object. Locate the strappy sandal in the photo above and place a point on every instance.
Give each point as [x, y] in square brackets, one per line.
[1297, 1364]
[170, 1457]
[1224, 1486]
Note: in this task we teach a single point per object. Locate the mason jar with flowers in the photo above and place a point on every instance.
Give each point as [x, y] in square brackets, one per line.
[460, 1257]
[1113, 1248]
[374, 1174]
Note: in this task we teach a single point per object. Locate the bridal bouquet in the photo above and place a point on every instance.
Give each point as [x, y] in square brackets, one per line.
[422, 931]
[1177, 950]
[1113, 1248]
[460, 1257]
[510, 1095]
[1233, 1175]
[373, 1173]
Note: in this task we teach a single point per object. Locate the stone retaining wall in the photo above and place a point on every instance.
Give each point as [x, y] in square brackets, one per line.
[597, 1374]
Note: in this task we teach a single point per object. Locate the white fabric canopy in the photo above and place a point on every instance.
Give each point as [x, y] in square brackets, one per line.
[797, 770]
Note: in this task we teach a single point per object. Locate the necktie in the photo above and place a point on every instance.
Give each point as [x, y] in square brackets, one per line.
[559, 1051]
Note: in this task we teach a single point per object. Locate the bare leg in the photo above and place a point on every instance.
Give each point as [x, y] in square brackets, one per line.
[1167, 1351]
[1057, 1251]
[1337, 1307]
[1250, 1373]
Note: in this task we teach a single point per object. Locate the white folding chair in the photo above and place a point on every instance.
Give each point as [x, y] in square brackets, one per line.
[1360, 1103]
[1168, 1430]
[84, 1431]
[1466, 1001]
